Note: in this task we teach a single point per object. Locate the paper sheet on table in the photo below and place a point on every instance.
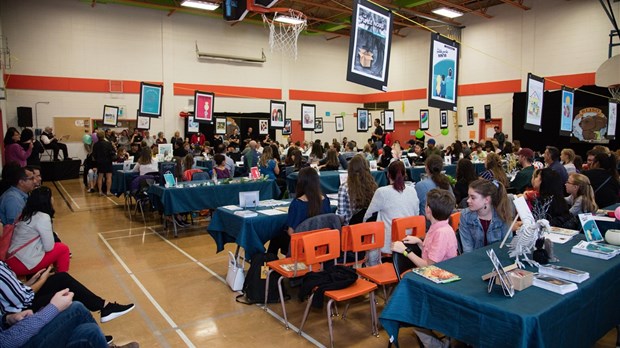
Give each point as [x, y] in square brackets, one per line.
[271, 203]
[232, 207]
[271, 212]
[332, 196]
[558, 238]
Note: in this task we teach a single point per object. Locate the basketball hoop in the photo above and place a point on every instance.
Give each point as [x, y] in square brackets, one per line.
[284, 29]
[615, 92]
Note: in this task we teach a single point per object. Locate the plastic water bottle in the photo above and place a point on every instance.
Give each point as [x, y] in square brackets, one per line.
[214, 178]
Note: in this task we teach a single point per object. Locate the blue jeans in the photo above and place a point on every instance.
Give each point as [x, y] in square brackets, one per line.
[74, 327]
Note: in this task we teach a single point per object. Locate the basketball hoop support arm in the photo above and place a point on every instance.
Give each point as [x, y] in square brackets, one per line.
[203, 55]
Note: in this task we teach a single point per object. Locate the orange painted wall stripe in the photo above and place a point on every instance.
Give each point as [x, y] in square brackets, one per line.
[296, 94]
[228, 91]
[71, 84]
[576, 80]
[508, 86]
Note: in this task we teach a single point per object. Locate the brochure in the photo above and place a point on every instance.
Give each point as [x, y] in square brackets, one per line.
[590, 229]
[563, 272]
[596, 250]
[553, 284]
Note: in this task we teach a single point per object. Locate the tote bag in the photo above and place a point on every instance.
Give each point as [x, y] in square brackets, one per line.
[235, 276]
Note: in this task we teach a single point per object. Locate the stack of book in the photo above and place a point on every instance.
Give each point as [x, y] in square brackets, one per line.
[597, 250]
[563, 272]
[246, 213]
[556, 285]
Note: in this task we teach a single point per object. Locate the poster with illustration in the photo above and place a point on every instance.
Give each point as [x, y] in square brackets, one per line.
[277, 111]
[612, 116]
[590, 125]
[389, 120]
[150, 99]
[362, 120]
[443, 119]
[568, 103]
[318, 125]
[339, 123]
[442, 84]
[308, 114]
[192, 125]
[424, 119]
[288, 126]
[535, 93]
[263, 127]
[220, 125]
[369, 45]
[203, 106]
[470, 115]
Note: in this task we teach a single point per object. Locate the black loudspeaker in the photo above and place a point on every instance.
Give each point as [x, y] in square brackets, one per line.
[24, 116]
[487, 113]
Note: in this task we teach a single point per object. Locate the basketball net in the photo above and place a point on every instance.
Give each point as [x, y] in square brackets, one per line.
[615, 92]
[283, 36]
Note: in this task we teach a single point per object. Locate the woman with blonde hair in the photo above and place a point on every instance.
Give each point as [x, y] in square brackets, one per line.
[356, 193]
[567, 156]
[494, 169]
[581, 194]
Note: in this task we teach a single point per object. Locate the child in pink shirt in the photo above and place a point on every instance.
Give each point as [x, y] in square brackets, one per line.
[440, 243]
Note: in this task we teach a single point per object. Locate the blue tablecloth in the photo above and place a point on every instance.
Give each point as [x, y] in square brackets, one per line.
[533, 318]
[250, 233]
[121, 181]
[414, 173]
[183, 199]
[330, 180]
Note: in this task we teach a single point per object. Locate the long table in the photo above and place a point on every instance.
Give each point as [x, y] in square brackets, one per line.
[330, 180]
[533, 318]
[415, 173]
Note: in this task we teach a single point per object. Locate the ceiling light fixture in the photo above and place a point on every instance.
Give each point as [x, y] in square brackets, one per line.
[289, 20]
[202, 5]
[447, 12]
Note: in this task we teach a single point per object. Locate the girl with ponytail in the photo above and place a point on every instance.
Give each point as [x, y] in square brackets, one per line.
[392, 201]
[488, 215]
[434, 179]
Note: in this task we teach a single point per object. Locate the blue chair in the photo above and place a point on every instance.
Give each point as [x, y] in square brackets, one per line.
[201, 176]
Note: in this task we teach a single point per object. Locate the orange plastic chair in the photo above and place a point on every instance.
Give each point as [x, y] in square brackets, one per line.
[416, 223]
[455, 220]
[297, 256]
[323, 247]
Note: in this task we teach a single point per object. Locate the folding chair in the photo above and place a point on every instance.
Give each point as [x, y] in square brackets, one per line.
[324, 246]
[455, 220]
[416, 223]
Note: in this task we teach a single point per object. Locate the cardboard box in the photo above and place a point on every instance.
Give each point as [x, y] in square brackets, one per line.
[521, 279]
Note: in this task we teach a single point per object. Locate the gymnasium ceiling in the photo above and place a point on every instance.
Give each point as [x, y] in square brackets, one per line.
[332, 18]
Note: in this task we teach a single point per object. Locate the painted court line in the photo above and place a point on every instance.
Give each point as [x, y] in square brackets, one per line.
[148, 295]
[272, 313]
[68, 194]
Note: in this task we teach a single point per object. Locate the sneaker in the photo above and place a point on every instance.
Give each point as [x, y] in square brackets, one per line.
[128, 345]
[92, 190]
[114, 310]
[109, 339]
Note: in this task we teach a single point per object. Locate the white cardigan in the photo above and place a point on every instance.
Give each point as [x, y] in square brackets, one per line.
[39, 225]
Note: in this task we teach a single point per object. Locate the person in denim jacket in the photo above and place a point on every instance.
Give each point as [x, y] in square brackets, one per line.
[487, 217]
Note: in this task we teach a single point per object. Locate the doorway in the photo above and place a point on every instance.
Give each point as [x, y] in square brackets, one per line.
[486, 129]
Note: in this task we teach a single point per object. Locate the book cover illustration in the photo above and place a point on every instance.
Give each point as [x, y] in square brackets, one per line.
[436, 274]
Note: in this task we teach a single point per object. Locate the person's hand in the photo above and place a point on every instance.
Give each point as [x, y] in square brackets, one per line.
[62, 299]
[517, 225]
[13, 318]
[412, 240]
[47, 272]
[398, 247]
[35, 277]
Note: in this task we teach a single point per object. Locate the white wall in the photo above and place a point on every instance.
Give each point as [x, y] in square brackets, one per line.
[70, 38]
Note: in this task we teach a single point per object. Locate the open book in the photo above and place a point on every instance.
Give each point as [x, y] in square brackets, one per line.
[436, 274]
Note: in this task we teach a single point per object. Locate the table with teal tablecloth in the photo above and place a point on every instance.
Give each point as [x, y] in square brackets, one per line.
[198, 195]
[121, 180]
[532, 318]
[330, 180]
[250, 233]
[415, 173]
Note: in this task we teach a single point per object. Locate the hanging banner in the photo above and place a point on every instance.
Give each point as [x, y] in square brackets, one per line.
[612, 117]
[533, 113]
[568, 103]
[442, 81]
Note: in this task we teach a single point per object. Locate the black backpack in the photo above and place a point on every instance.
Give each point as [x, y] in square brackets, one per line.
[254, 286]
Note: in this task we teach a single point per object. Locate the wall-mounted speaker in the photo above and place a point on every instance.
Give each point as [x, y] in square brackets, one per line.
[24, 116]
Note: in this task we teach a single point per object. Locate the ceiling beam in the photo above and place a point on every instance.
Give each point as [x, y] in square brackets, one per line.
[517, 4]
[464, 9]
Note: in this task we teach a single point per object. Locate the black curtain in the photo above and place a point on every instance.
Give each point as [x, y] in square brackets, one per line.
[243, 120]
[550, 134]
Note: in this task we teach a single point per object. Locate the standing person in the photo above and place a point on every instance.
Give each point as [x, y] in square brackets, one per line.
[13, 149]
[552, 160]
[392, 201]
[499, 136]
[603, 176]
[523, 179]
[434, 178]
[377, 135]
[355, 194]
[249, 135]
[487, 217]
[13, 200]
[33, 247]
[175, 137]
[440, 242]
[50, 141]
[37, 148]
[104, 154]
[580, 195]
[233, 139]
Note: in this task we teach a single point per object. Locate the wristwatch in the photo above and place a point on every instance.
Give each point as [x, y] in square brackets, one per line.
[407, 251]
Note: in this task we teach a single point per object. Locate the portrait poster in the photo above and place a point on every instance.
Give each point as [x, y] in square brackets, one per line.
[150, 99]
[568, 103]
[443, 119]
[288, 126]
[192, 125]
[339, 124]
[470, 115]
[362, 120]
[110, 115]
[263, 127]
[424, 119]
[443, 82]
[220, 125]
[308, 114]
[318, 125]
[533, 113]
[203, 106]
[278, 113]
[612, 120]
[389, 120]
[143, 122]
[369, 45]
[487, 113]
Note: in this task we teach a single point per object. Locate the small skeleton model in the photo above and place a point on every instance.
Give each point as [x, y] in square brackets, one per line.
[524, 242]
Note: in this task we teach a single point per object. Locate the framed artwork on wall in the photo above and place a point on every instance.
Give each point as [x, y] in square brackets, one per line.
[443, 119]
[192, 125]
[362, 120]
[220, 125]
[318, 125]
[263, 127]
[288, 125]
[308, 114]
[143, 122]
[424, 119]
[389, 120]
[150, 99]
[470, 115]
[278, 114]
[203, 106]
[110, 115]
[339, 124]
